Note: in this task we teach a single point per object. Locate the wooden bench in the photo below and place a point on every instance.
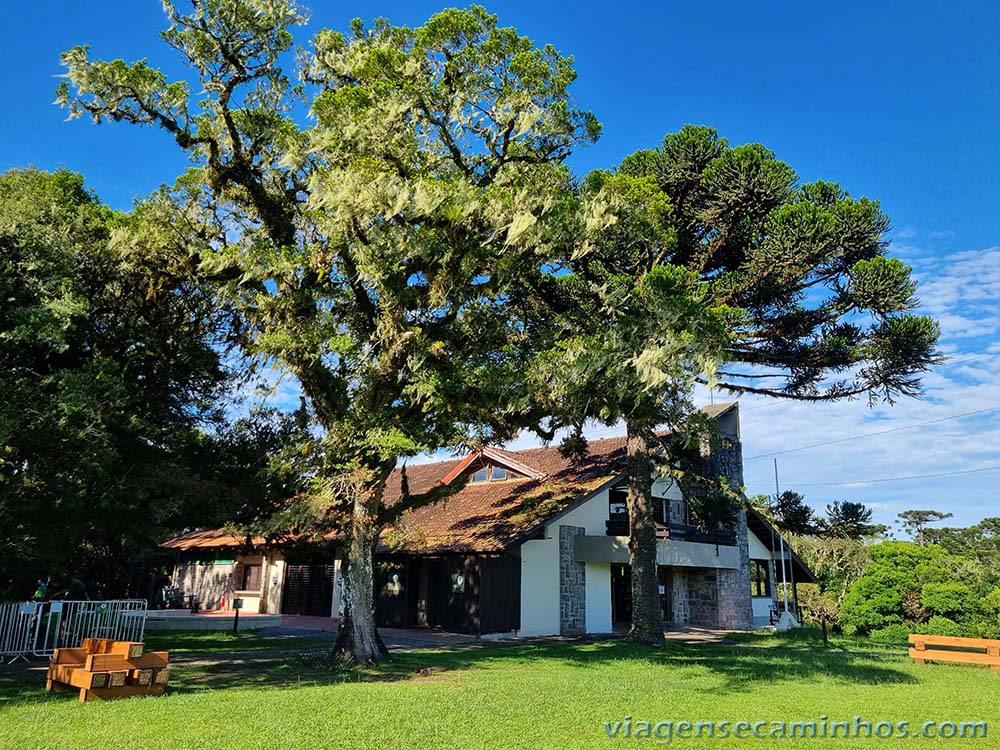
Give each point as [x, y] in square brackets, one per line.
[105, 669]
[963, 650]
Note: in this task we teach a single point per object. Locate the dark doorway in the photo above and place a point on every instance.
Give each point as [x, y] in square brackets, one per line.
[621, 594]
[663, 575]
[308, 590]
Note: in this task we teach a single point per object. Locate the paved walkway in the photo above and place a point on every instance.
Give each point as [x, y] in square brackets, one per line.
[322, 627]
[326, 628]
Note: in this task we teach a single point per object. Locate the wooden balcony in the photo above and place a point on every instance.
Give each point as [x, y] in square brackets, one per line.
[619, 526]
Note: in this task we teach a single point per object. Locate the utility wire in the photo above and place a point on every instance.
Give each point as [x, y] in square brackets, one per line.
[873, 434]
[959, 360]
[897, 479]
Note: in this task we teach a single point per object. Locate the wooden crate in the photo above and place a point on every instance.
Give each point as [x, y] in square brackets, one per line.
[961, 650]
[105, 669]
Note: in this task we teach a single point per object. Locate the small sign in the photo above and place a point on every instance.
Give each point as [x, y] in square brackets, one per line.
[663, 590]
[55, 607]
[237, 604]
[28, 608]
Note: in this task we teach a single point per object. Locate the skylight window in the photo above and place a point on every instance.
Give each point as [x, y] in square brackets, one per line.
[498, 473]
[480, 475]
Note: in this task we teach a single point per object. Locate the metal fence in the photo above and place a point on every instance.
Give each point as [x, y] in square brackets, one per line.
[38, 628]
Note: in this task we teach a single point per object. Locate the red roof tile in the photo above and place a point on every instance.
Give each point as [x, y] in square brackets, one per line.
[483, 516]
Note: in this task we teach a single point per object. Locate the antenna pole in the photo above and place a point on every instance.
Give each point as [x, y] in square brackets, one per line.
[781, 536]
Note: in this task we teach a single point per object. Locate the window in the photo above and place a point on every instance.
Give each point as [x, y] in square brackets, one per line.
[617, 507]
[760, 580]
[661, 509]
[490, 473]
[250, 577]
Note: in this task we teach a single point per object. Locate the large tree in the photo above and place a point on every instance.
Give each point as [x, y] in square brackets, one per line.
[792, 515]
[850, 520]
[705, 263]
[915, 522]
[109, 374]
[373, 255]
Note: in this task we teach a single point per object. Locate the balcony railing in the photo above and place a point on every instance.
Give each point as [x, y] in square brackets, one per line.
[619, 526]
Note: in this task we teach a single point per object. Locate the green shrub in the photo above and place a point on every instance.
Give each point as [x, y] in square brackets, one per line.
[938, 625]
[896, 633]
[983, 629]
[949, 598]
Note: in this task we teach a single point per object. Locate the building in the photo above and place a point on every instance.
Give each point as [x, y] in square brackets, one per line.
[534, 544]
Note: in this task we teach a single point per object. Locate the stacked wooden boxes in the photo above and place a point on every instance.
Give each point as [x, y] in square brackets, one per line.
[103, 669]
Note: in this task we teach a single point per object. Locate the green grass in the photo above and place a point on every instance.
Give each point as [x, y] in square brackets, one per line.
[194, 642]
[534, 695]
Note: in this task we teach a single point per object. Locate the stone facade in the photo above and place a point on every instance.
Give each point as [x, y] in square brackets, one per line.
[680, 610]
[572, 584]
[703, 596]
[735, 608]
[735, 601]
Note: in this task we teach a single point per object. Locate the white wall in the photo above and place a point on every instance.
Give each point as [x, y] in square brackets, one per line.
[598, 598]
[757, 549]
[591, 515]
[761, 609]
[666, 488]
[540, 574]
[761, 604]
[540, 587]
[275, 585]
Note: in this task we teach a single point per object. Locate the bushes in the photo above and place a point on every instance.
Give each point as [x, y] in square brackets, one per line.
[892, 587]
[949, 598]
[896, 633]
[938, 625]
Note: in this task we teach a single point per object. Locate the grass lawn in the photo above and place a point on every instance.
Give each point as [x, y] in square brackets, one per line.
[524, 695]
[201, 642]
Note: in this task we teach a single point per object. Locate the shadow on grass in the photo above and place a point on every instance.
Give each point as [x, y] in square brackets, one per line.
[741, 666]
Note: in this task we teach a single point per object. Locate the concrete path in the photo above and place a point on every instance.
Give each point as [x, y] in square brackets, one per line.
[326, 628]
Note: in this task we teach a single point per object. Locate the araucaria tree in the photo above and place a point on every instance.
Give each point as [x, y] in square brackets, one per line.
[707, 264]
[373, 254]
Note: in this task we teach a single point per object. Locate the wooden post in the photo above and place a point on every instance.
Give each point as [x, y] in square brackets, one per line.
[994, 651]
[919, 646]
[822, 622]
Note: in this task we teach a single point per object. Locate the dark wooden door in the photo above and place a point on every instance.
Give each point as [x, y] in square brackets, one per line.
[308, 590]
[391, 588]
[439, 591]
[621, 593]
[499, 594]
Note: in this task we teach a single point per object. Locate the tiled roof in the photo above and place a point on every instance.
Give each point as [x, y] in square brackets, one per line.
[490, 516]
[484, 516]
[209, 539]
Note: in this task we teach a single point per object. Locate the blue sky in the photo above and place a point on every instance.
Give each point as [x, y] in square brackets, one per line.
[899, 102]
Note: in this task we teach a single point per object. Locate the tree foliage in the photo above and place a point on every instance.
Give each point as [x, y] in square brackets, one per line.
[915, 522]
[923, 588]
[376, 254]
[792, 515]
[850, 520]
[108, 377]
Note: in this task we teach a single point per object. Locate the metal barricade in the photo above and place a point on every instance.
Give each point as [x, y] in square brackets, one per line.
[38, 628]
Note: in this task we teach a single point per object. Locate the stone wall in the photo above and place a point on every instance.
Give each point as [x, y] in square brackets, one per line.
[572, 584]
[703, 596]
[735, 608]
[680, 609]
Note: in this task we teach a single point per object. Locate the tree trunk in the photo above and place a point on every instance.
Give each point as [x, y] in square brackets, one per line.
[358, 640]
[647, 619]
